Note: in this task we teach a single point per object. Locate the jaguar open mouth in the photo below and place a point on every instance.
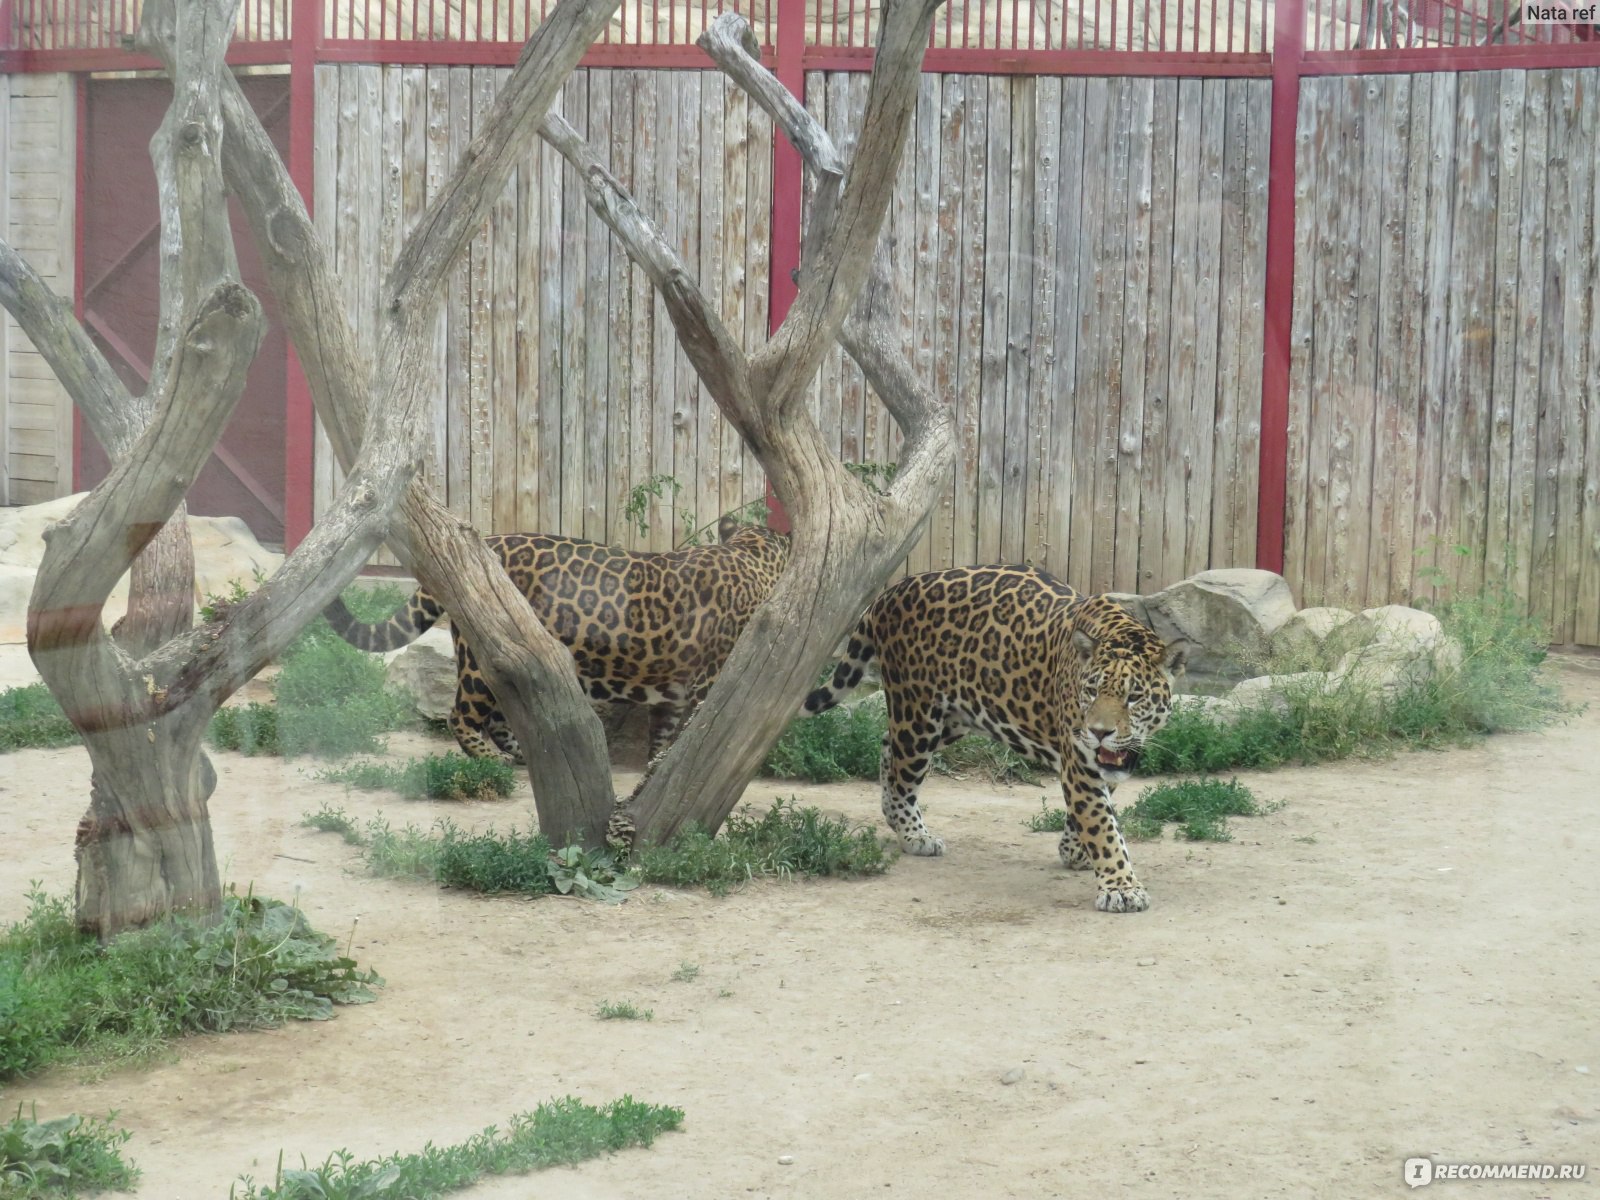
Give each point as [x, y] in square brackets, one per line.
[1117, 760]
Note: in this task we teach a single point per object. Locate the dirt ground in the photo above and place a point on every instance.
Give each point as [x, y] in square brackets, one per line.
[1399, 961]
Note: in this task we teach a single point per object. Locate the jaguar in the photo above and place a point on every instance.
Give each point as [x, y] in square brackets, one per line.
[644, 628]
[1070, 681]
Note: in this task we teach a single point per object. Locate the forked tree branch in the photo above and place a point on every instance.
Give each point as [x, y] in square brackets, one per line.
[112, 412]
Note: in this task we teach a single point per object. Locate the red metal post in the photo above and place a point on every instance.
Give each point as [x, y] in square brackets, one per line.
[1287, 50]
[788, 189]
[305, 33]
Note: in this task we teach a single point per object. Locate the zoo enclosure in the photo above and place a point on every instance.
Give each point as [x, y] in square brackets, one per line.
[1209, 282]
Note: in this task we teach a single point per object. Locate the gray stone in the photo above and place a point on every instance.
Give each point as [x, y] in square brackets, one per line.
[426, 671]
[1227, 616]
[1268, 690]
[1314, 637]
[1221, 709]
[1012, 1076]
[224, 551]
[1399, 647]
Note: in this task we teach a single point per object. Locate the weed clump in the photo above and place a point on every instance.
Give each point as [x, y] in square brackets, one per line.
[436, 777]
[31, 718]
[69, 1156]
[65, 998]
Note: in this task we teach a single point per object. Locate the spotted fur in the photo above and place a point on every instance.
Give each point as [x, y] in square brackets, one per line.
[1069, 681]
[651, 629]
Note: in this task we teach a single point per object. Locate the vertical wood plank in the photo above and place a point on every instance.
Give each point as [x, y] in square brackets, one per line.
[922, 294]
[688, 190]
[1578, 295]
[1413, 331]
[1044, 376]
[1183, 349]
[643, 393]
[599, 331]
[1523, 466]
[1159, 316]
[1021, 265]
[531, 333]
[1394, 421]
[1436, 300]
[713, 246]
[736, 118]
[480, 449]
[574, 301]
[665, 352]
[507, 331]
[758, 265]
[1586, 609]
[1544, 590]
[947, 279]
[991, 398]
[1247, 469]
[620, 433]
[458, 331]
[969, 384]
[1203, 426]
[1507, 214]
[1129, 447]
[552, 327]
[1229, 547]
[1089, 393]
[1309, 139]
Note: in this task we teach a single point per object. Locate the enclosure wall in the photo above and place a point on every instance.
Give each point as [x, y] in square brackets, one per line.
[38, 169]
[560, 381]
[1446, 344]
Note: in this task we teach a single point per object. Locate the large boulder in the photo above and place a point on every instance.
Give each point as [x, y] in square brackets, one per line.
[1227, 616]
[1315, 637]
[225, 551]
[1397, 647]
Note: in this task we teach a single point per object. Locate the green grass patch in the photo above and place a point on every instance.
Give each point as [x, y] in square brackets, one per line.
[69, 1156]
[842, 743]
[687, 972]
[558, 1133]
[1200, 807]
[66, 999]
[993, 760]
[491, 862]
[786, 840]
[623, 1010]
[30, 718]
[330, 699]
[436, 777]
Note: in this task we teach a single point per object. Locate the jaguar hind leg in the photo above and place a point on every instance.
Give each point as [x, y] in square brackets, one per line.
[908, 749]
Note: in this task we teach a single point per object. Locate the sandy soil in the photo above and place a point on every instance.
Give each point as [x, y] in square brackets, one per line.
[1399, 961]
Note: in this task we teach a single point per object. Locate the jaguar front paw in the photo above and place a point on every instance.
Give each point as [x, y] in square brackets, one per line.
[1073, 856]
[922, 845]
[1122, 899]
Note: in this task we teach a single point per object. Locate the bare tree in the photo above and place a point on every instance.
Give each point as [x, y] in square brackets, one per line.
[846, 537]
[142, 695]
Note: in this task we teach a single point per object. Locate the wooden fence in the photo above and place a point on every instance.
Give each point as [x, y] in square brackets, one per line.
[1445, 429]
[1080, 261]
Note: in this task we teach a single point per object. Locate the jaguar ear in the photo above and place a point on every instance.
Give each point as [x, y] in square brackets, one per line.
[726, 528]
[1176, 656]
[1084, 645]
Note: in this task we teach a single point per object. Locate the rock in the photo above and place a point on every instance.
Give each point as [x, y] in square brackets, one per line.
[1146, 962]
[1267, 690]
[1312, 637]
[426, 671]
[1227, 616]
[785, 1160]
[224, 551]
[1398, 647]
[1220, 709]
[1012, 1076]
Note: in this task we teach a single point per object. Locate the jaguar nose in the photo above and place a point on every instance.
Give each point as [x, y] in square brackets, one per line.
[1103, 735]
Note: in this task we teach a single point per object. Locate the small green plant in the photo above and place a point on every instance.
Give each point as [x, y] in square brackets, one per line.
[785, 840]
[687, 972]
[69, 1156]
[215, 606]
[1201, 808]
[623, 1010]
[333, 820]
[1047, 819]
[65, 998]
[437, 777]
[877, 476]
[559, 1133]
[591, 873]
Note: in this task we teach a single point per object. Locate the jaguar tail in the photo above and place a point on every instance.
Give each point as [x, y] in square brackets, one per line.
[405, 625]
[847, 675]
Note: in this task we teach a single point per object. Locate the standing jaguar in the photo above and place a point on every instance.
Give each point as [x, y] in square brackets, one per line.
[643, 628]
[1070, 681]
